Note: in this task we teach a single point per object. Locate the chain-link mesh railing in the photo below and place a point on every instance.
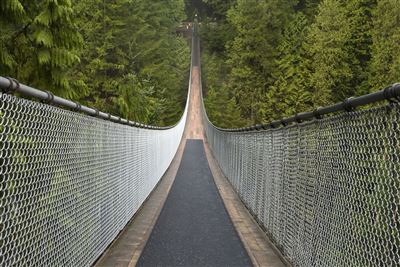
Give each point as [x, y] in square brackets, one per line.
[70, 182]
[327, 191]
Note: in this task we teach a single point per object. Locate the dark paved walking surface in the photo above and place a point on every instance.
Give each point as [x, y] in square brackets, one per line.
[194, 228]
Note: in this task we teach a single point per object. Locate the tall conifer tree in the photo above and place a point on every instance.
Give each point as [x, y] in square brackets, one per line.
[385, 64]
[39, 43]
[327, 47]
[290, 93]
[259, 26]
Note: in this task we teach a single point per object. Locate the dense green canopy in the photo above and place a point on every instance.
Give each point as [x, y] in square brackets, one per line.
[121, 56]
[262, 59]
[275, 58]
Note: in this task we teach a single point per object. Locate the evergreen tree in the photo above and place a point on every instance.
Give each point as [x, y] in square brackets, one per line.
[220, 103]
[252, 54]
[222, 110]
[327, 47]
[216, 32]
[290, 93]
[385, 63]
[131, 47]
[359, 13]
[103, 53]
[309, 8]
[219, 8]
[39, 43]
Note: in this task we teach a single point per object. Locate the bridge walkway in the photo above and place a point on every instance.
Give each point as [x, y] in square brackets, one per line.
[194, 229]
[185, 222]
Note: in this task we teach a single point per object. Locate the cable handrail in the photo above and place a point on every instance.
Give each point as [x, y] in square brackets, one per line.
[71, 182]
[390, 93]
[324, 184]
[10, 86]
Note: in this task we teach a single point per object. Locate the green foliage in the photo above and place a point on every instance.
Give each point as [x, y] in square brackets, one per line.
[289, 94]
[123, 56]
[286, 57]
[360, 43]
[223, 111]
[267, 59]
[331, 59]
[308, 7]
[385, 63]
[39, 43]
[126, 39]
[198, 7]
[219, 8]
[259, 26]
[339, 46]
[132, 98]
[215, 35]
[220, 104]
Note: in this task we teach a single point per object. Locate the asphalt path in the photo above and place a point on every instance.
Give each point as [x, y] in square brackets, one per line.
[194, 228]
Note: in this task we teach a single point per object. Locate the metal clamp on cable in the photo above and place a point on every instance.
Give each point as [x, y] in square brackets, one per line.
[317, 113]
[347, 105]
[265, 126]
[109, 116]
[77, 107]
[49, 99]
[392, 93]
[14, 86]
[297, 118]
[275, 124]
[96, 114]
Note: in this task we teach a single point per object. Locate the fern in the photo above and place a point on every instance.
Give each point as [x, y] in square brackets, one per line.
[63, 58]
[6, 60]
[44, 37]
[44, 18]
[13, 8]
[44, 56]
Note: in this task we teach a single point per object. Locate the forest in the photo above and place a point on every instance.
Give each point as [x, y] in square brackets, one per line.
[119, 56]
[261, 59]
[268, 59]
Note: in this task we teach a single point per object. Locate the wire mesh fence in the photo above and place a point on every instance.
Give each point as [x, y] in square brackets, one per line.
[70, 182]
[327, 192]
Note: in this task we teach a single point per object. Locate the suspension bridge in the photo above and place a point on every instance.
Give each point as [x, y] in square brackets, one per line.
[80, 187]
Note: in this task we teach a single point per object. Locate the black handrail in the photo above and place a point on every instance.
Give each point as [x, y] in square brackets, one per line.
[391, 93]
[11, 85]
